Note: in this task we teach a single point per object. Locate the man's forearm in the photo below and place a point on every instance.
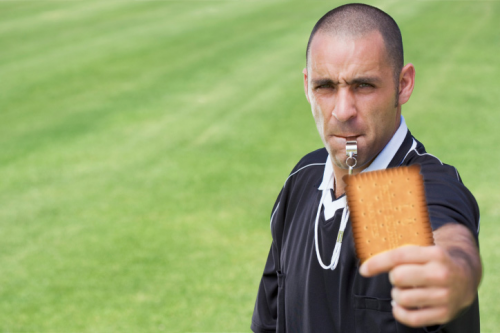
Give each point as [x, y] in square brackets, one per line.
[459, 243]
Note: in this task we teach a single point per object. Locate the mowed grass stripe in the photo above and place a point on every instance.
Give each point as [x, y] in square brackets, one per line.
[91, 26]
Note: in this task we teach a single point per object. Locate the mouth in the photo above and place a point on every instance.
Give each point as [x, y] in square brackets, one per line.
[350, 137]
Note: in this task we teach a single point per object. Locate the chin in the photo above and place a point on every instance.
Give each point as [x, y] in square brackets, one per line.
[339, 160]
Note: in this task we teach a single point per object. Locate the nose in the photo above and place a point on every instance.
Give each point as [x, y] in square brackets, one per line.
[344, 108]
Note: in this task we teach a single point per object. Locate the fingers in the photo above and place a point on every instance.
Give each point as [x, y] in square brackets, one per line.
[420, 317]
[385, 261]
[415, 298]
[428, 285]
[410, 276]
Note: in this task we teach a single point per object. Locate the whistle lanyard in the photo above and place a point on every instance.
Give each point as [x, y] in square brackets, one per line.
[351, 152]
[340, 235]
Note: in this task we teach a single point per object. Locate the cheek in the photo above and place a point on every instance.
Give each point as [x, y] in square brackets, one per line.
[382, 124]
[320, 110]
[316, 111]
[318, 119]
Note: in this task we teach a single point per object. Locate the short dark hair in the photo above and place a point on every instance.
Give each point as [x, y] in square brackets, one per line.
[359, 19]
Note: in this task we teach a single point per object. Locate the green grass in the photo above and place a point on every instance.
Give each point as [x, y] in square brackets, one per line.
[143, 144]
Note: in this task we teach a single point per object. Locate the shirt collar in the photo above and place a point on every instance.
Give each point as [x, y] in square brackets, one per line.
[380, 162]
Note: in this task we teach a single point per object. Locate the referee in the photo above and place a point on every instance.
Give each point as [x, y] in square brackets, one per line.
[356, 83]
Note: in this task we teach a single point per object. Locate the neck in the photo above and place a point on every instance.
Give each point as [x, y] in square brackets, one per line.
[339, 181]
[339, 174]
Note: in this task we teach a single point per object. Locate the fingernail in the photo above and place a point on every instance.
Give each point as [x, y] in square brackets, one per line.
[393, 303]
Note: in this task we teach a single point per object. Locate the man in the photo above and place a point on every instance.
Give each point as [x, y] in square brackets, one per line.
[356, 84]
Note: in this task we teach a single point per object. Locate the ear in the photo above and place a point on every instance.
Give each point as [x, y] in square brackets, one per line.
[306, 85]
[406, 83]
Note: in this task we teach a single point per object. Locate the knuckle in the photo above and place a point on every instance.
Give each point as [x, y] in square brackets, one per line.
[444, 275]
[437, 253]
[441, 275]
[399, 255]
[442, 255]
[444, 315]
[405, 299]
[413, 320]
[395, 294]
[444, 296]
[396, 256]
[396, 276]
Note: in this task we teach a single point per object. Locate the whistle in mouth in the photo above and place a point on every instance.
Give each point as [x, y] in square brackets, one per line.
[351, 150]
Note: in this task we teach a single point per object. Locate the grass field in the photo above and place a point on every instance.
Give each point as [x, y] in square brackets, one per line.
[142, 145]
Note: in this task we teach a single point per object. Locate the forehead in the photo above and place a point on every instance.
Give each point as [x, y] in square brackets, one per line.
[347, 56]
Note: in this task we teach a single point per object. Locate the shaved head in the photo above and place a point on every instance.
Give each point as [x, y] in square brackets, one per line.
[359, 20]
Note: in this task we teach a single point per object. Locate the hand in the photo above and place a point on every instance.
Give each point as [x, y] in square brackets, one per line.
[430, 284]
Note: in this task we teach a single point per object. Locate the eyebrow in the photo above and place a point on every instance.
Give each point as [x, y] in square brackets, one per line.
[365, 79]
[357, 80]
[320, 82]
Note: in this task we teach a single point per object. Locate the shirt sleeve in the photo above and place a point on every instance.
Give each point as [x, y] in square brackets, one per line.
[448, 200]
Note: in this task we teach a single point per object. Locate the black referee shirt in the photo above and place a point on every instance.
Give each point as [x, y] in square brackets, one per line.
[297, 295]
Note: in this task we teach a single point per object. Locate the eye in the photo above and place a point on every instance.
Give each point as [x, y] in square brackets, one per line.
[324, 87]
[365, 85]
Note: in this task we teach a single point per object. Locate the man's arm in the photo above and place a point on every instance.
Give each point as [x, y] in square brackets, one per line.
[266, 305]
[431, 285]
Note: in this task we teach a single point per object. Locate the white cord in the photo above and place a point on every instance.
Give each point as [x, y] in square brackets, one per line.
[338, 244]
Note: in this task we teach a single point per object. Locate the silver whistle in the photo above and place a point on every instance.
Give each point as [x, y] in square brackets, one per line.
[351, 150]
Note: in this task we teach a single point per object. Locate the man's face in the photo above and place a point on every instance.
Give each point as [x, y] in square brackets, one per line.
[350, 85]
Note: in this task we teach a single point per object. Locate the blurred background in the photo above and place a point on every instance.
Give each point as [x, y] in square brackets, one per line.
[143, 143]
